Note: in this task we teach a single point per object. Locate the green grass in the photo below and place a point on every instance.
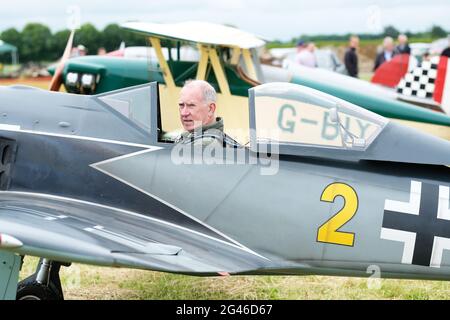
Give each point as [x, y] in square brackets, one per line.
[367, 76]
[7, 69]
[88, 282]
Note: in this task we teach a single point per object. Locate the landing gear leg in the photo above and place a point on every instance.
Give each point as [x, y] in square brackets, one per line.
[44, 284]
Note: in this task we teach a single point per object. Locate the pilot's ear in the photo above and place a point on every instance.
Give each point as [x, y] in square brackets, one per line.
[212, 108]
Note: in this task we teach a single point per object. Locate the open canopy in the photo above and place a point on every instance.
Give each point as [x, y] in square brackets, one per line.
[198, 32]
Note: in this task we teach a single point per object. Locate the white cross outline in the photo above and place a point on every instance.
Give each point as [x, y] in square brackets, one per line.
[440, 244]
[408, 238]
[411, 207]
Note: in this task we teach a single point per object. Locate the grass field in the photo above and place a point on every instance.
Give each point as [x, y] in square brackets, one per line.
[87, 282]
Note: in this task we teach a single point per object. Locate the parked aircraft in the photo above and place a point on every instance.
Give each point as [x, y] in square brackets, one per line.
[228, 59]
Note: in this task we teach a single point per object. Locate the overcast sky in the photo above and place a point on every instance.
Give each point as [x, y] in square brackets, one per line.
[267, 18]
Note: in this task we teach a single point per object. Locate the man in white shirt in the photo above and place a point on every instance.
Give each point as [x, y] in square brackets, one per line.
[305, 55]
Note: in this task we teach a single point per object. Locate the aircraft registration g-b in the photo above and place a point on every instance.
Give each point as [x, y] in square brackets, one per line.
[89, 179]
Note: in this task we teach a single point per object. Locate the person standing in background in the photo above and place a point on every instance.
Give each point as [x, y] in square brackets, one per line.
[101, 51]
[351, 57]
[403, 46]
[305, 55]
[386, 54]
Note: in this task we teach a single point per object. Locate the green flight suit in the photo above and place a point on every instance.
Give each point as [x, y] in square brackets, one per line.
[205, 135]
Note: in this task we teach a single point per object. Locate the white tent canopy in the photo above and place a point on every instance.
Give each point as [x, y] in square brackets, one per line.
[8, 48]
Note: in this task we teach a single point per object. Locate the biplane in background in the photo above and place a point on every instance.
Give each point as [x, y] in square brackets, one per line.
[228, 58]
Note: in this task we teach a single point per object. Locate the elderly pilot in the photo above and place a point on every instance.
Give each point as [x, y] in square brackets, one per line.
[197, 105]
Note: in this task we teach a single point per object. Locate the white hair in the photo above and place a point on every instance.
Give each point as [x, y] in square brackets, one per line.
[388, 40]
[209, 93]
[403, 36]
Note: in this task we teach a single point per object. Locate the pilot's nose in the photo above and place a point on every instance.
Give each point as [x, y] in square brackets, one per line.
[184, 111]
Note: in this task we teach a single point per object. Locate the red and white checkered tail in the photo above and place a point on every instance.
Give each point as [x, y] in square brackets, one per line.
[430, 80]
[442, 91]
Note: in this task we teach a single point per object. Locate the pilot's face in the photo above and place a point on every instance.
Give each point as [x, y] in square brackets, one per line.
[194, 111]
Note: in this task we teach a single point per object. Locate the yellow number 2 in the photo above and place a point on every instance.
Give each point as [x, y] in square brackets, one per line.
[328, 232]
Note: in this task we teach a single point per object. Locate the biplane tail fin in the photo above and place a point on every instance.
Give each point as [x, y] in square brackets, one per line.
[429, 80]
[390, 73]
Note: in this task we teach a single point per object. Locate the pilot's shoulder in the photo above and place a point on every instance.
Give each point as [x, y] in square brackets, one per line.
[208, 140]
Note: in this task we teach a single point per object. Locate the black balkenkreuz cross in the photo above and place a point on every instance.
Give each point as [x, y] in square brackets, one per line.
[426, 225]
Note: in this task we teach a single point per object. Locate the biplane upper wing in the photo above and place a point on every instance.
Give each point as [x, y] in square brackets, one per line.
[198, 32]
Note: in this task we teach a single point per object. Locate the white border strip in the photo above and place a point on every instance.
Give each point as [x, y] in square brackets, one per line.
[439, 245]
[94, 165]
[446, 90]
[408, 239]
[411, 207]
[444, 200]
[14, 128]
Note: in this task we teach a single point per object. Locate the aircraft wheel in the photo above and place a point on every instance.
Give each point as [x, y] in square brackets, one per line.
[35, 291]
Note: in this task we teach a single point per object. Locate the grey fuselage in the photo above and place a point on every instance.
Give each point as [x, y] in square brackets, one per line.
[74, 147]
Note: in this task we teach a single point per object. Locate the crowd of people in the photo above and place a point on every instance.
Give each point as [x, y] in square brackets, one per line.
[389, 49]
[81, 50]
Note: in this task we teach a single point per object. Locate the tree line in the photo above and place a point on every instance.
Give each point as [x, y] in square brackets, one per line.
[37, 43]
[435, 32]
